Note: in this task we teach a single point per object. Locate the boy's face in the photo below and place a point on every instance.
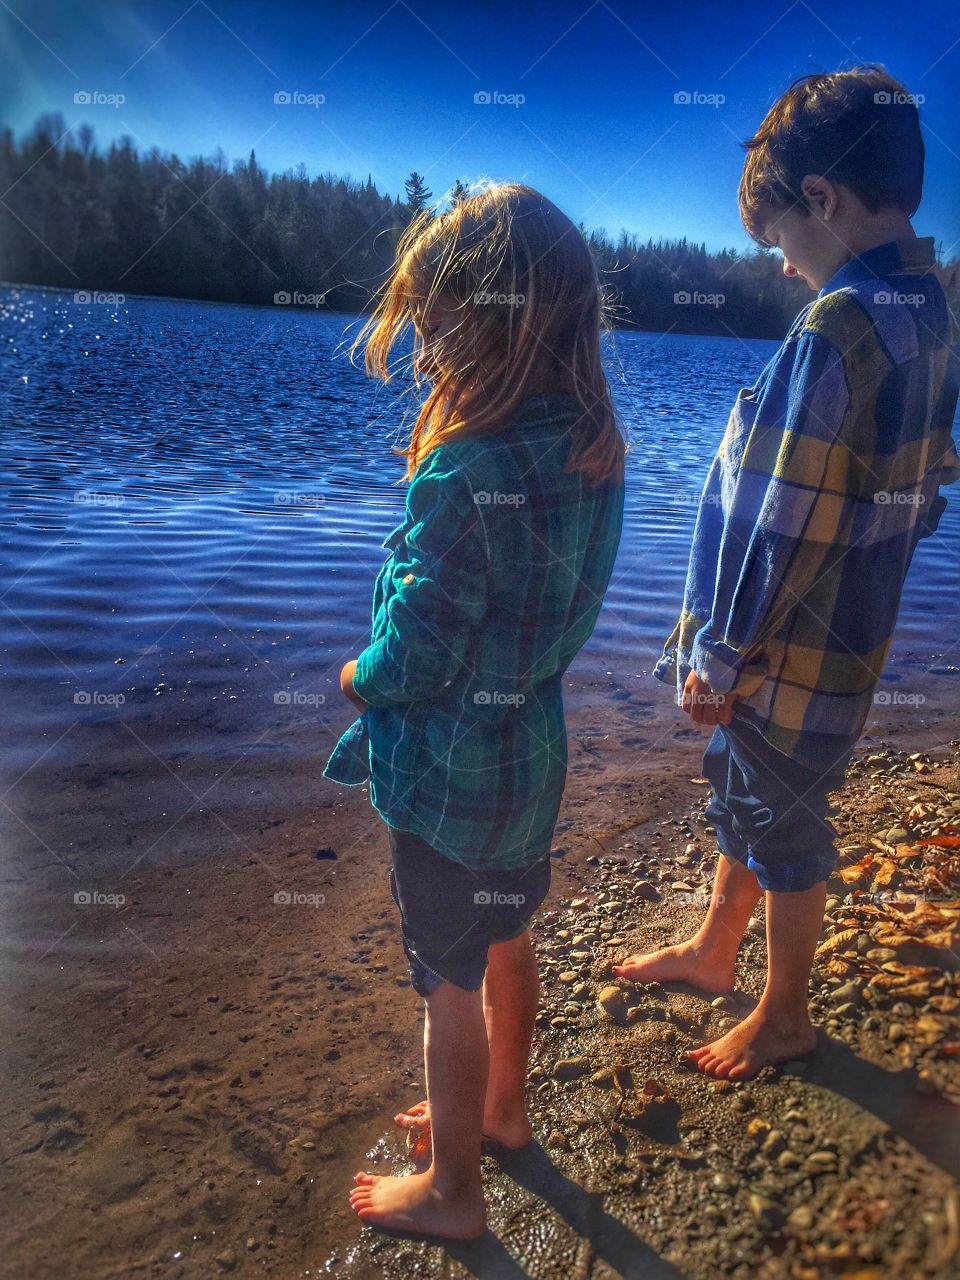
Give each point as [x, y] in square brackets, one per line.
[809, 249]
[813, 238]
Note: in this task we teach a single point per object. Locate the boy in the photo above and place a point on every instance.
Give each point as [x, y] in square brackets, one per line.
[826, 477]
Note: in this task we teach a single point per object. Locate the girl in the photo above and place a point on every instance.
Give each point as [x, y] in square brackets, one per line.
[494, 582]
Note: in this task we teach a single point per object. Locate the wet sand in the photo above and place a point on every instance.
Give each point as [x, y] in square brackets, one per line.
[196, 1073]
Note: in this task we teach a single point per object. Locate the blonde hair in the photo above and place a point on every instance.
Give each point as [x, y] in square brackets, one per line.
[522, 282]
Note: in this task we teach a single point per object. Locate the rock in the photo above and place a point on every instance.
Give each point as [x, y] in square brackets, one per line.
[558, 1139]
[226, 1260]
[801, 1219]
[252, 1243]
[612, 1000]
[788, 1160]
[848, 991]
[571, 1068]
[723, 1183]
[896, 1032]
[822, 1161]
[896, 835]
[568, 976]
[766, 1211]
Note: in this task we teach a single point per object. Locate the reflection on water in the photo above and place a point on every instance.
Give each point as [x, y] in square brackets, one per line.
[194, 500]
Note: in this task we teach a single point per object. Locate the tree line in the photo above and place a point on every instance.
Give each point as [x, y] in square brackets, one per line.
[115, 220]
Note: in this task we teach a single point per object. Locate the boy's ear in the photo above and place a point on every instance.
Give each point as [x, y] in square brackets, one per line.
[821, 196]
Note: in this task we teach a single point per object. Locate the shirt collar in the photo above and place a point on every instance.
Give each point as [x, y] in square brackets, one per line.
[881, 261]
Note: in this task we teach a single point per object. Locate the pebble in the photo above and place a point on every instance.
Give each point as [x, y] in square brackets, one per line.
[571, 1068]
[822, 1160]
[766, 1211]
[227, 1259]
[788, 1160]
[613, 1002]
[896, 1032]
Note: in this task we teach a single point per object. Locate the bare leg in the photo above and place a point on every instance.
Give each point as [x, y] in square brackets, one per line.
[779, 1027]
[447, 1199]
[511, 991]
[707, 959]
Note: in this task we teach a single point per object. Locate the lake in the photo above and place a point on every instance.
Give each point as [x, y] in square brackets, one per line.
[194, 500]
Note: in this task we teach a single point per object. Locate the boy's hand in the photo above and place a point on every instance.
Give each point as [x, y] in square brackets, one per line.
[346, 685]
[704, 706]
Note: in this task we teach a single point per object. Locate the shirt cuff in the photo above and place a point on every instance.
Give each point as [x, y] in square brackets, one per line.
[377, 679]
[717, 663]
[724, 668]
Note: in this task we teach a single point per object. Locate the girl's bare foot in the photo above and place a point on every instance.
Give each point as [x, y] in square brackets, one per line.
[511, 1131]
[413, 1203]
[758, 1041]
[686, 962]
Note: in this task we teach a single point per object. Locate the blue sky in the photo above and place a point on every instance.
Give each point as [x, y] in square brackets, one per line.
[598, 128]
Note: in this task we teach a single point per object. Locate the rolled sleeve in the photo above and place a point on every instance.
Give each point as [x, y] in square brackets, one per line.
[440, 588]
[790, 510]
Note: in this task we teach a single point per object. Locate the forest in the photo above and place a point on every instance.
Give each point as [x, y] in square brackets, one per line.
[117, 220]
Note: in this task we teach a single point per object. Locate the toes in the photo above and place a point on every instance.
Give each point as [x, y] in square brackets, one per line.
[740, 1071]
[363, 1177]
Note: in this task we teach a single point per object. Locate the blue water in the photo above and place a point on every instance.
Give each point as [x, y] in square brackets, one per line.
[194, 497]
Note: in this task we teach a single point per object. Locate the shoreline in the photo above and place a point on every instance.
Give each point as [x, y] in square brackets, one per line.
[197, 1073]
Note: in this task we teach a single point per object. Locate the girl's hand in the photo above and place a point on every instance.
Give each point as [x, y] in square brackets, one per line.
[704, 706]
[346, 685]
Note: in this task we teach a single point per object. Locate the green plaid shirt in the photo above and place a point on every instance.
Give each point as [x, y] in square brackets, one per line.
[493, 584]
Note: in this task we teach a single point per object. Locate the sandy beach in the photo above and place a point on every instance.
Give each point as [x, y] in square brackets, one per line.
[198, 1071]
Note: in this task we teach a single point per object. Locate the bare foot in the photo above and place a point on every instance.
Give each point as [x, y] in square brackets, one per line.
[512, 1131]
[414, 1204]
[756, 1042]
[683, 963]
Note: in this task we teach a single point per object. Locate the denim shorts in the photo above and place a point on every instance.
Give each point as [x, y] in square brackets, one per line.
[769, 811]
[450, 914]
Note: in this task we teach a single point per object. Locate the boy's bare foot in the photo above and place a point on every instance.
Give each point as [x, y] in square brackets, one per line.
[757, 1042]
[685, 962]
[512, 1132]
[413, 1204]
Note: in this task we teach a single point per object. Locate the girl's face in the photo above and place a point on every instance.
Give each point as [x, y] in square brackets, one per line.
[434, 326]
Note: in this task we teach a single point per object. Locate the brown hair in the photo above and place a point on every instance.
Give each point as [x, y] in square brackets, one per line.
[522, 282]
[859, 128]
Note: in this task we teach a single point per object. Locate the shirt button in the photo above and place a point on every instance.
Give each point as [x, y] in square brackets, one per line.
[408, 578]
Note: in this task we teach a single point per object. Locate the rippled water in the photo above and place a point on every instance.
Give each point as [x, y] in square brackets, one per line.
[195, 496]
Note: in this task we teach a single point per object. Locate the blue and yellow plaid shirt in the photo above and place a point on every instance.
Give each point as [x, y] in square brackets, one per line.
[493, 584]
[827, 476]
